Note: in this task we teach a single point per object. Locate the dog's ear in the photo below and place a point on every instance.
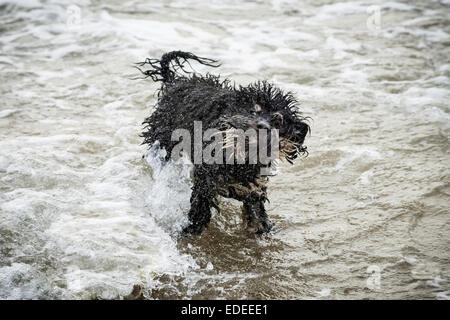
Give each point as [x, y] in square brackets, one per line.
[257, 107]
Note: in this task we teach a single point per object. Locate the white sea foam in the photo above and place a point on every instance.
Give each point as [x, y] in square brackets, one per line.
[445, 295]
[353, 153]
[7, 112]
[124, 232]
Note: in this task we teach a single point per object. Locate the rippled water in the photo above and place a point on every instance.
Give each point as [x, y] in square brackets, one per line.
[366, 215]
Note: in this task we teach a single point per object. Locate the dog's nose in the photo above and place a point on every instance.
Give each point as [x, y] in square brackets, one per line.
[263, 125]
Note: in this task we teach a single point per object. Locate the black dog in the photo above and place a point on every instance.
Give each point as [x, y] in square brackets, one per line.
[219, 104]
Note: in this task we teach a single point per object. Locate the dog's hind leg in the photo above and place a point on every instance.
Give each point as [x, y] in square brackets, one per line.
[199, 214]
[203, 197]
[255, 217]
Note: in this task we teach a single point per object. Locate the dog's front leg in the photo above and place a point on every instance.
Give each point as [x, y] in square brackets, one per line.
[255, 216]
[203, 197]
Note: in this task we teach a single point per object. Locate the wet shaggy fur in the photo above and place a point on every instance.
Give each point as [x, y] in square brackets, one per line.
[217, 103]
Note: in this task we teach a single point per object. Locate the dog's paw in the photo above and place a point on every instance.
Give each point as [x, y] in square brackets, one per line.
[265, 227]
[260, 227]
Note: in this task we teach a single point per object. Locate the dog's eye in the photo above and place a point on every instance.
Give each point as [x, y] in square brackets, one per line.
[277, 119]
[256, 109]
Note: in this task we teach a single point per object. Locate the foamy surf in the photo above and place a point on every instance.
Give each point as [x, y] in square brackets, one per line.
[117, 231]
[125, 232]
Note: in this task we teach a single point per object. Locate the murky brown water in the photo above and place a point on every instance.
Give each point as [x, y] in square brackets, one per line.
[366, 215]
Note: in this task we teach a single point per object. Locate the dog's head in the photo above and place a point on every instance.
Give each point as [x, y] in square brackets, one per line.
[292, 128]
[270, 108]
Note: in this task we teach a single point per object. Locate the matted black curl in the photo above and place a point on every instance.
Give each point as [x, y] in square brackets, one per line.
[166, 69]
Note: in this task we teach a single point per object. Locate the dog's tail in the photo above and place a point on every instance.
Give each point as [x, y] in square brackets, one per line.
[166, 69]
